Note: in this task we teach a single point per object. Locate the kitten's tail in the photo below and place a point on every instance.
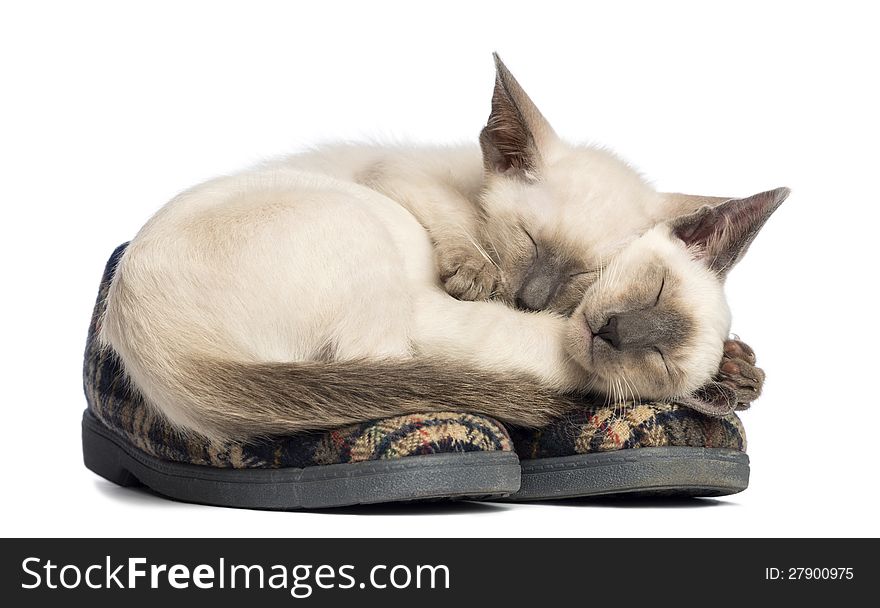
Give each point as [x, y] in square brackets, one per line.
[238, 401]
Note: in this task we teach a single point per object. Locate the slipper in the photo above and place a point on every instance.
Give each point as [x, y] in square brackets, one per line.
[664, 449]
[440, 455]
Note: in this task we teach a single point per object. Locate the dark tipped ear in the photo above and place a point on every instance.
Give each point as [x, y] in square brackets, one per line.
[721, 234]
[516, 132]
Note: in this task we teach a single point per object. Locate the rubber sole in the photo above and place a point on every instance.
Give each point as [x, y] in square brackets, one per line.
[666, 471]
[464, 475]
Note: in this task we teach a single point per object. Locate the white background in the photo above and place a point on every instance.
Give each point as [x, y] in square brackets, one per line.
[109, 109]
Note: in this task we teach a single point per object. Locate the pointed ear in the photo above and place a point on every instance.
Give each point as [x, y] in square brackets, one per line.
[721, 234]
[516, 132]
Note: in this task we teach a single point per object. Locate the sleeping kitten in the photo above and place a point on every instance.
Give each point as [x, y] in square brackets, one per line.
[306, 294]
[551, 215]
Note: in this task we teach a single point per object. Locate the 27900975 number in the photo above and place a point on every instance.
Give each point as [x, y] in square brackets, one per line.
[817, 574]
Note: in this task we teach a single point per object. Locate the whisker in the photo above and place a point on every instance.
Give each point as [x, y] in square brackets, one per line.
[477, 246]
[492, 245]
[633, 392]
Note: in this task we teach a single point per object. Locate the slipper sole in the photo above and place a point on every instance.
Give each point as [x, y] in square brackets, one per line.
[463, 475]
[664, 471]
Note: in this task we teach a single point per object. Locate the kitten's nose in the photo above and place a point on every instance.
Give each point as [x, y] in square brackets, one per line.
[521, 304]
[609, 332]
[539, 287]
[535, 293]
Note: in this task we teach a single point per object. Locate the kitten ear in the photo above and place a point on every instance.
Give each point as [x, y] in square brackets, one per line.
[516, 132]
[721, 234]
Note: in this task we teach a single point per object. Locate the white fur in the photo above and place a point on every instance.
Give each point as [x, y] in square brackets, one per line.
[278, 264]
[586, 198]
[331, 252]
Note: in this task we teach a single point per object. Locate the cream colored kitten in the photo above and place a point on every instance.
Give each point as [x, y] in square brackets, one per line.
[309, 293]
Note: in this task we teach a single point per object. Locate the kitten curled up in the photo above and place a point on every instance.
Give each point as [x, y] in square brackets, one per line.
[353, 282]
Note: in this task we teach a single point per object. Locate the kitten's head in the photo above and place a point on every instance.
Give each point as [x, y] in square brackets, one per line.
[653, 324]
[551, 210]
[575, 230]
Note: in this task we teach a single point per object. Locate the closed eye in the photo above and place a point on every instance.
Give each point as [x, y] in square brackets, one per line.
[533, 242]
[660, 293]
[663, 357]
[578, 274]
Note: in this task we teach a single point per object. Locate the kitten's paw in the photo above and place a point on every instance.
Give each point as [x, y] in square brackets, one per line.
[466, 275]
[739, 373]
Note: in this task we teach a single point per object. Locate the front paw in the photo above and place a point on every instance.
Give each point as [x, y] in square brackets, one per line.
[467, 275]
[739, 373]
